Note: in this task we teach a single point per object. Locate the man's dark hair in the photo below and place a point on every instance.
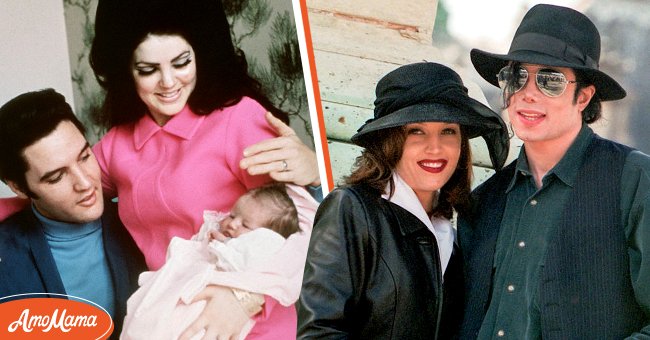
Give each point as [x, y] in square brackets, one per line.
[24, 120]
[593, 110]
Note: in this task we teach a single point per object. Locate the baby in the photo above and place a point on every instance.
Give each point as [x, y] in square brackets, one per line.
[256, 227]
[240, 242]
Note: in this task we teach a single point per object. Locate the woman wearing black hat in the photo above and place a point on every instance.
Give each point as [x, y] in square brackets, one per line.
[383, 244]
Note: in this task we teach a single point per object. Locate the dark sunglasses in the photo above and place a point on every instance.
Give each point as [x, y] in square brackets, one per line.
[552, 83]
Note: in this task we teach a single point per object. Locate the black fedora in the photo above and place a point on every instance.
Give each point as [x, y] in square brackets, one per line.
[430, 92]
[554, 36]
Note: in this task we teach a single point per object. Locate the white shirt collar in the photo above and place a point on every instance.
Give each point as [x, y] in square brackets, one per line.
[441, 228]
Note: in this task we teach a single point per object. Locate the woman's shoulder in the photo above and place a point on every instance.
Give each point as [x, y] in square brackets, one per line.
[117, 140]
[248, 101]
[355, 194]
[243, 123]
[118, 132]
[358, 208]
[245, 116]
[245, 106]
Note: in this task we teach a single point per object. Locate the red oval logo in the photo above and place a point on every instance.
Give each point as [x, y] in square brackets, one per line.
[53, 318]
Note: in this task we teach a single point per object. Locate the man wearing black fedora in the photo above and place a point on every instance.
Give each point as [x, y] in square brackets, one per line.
[557, 245]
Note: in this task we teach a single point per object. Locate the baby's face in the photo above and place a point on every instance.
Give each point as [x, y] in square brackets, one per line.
[245, 216]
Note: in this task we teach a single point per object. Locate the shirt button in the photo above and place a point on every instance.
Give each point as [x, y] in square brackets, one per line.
[511, 288]
[501, 333]
[533, 202]
[521, 244]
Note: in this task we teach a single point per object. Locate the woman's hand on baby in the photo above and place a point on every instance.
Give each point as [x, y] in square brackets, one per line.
[285, 158]
[222, 318]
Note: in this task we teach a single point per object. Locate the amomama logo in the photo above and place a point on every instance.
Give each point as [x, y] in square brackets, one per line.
[52, 318]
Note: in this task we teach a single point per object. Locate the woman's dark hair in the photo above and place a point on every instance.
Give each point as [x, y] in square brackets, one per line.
[121, 25]
[25, 120]
[382, 151]
[593, 110]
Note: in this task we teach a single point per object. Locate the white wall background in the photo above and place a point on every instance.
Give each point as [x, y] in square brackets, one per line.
[33, 50]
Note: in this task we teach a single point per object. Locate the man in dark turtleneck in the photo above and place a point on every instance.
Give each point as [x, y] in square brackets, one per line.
[68, 240]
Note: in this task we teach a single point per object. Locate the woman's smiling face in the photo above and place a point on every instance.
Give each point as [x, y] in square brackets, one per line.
[164, 71]
[429, 157]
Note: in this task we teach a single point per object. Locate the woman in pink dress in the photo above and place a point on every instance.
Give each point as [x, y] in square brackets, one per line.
[182, 111]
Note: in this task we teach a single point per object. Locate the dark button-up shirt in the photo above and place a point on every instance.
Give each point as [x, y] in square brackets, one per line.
[530, 218]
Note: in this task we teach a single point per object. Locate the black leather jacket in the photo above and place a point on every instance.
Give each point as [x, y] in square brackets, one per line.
[373, 272]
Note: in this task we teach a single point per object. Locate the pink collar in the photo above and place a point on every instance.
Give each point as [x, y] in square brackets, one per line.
[183, 125]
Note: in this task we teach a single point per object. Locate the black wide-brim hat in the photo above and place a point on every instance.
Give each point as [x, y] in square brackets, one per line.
[430, 92]
[553, 36]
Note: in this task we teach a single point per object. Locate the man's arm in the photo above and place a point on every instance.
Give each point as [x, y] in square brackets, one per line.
[635, 205]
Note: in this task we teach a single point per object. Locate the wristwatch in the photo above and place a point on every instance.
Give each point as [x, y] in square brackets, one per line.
[251, 302]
